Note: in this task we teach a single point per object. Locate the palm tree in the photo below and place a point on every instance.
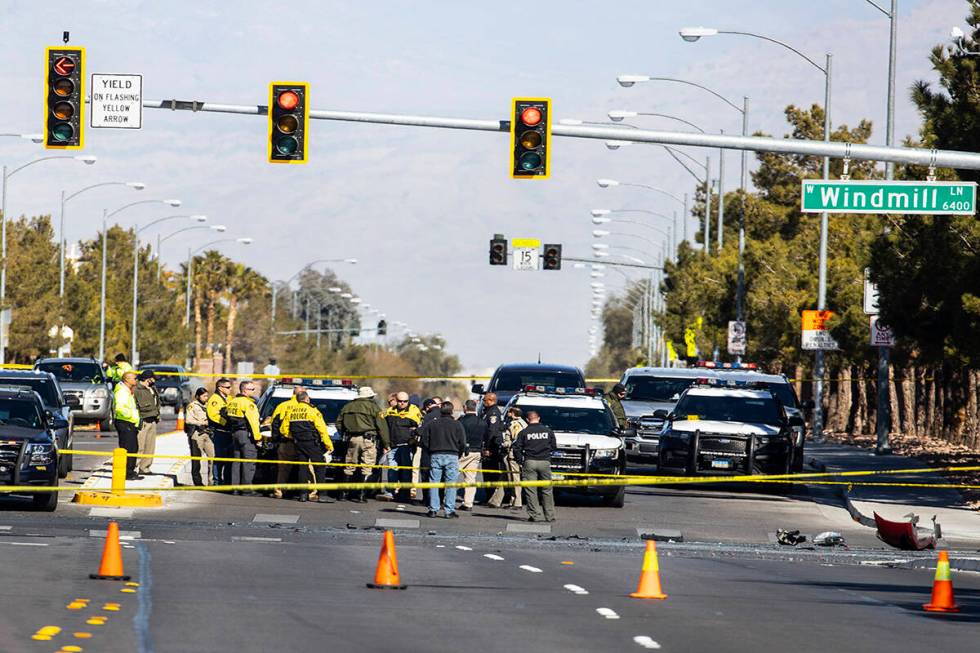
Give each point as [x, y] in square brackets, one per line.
[244, 283]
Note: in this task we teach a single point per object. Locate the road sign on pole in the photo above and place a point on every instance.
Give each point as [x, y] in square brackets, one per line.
[870, 294]
[881, 334]
[736, 338]
[815, 334]
[876, 196]
[525, 253]
[117, 101]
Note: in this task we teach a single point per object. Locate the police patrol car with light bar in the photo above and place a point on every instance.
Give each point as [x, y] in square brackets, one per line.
[724, 426]
[585, 431]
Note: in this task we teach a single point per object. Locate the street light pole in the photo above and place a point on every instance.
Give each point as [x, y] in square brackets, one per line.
[707, 206]
[818, 365]
[105, 238]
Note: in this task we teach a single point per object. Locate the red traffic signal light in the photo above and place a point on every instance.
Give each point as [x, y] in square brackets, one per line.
[498, 251]
[64, 98]
[530, 135]
[289, 121]
[552, 257]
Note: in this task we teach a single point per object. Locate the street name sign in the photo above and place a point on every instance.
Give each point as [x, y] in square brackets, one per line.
[815, 334]
[881, 335]
[525, 253]
[878, 196]
[117, 101]
[736, 338]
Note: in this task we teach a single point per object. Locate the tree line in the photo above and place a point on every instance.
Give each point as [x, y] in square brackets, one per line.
[926, 268]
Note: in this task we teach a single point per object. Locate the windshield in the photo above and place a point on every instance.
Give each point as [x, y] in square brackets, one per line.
[784, 392]
[329, 407]
[74, 372]
[597, 421]
[652, 388]
[44, 387]
[17, 412]
[728, 409]
[514, 380]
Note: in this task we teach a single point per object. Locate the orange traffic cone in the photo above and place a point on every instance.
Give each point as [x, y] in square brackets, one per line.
[386, 576]
[649, 587]
[111, 567]
[180, 419]
[942, 588]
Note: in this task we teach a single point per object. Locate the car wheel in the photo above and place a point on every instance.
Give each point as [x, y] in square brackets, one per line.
[63, 466]
[71, 462]
[617, 500]
[46, 501]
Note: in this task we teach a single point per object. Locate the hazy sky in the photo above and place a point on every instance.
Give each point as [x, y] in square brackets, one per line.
[417, 206]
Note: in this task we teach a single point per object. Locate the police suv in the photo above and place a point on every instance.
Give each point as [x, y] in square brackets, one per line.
[651, 393]
[585, 431]
[727, 427]
[326, 395]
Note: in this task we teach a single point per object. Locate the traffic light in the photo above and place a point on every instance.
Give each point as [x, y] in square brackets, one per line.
[64, 98]
[530, 136]
[498, 251]
[382, 328]
[552, 257]
[289, 121]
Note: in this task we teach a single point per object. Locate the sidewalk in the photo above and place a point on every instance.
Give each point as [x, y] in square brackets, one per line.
[163, 471]
[958, 522]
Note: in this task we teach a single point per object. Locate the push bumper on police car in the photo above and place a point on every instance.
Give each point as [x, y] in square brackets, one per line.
[722, 449]
[573, 461]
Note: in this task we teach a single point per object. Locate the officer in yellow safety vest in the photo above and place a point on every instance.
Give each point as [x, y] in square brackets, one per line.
[220, 435]
[284, 446]
[127, 418]
[121, 366]
[242, 421]
[304, 425]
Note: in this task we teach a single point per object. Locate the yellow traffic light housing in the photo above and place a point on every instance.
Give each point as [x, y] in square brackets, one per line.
[530, 138]
[64, 98]
[289, 122]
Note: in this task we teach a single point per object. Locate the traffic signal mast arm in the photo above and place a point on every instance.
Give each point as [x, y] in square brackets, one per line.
[916, 156]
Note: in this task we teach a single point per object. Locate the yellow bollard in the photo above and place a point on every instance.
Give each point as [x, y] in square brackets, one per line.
[118, 470]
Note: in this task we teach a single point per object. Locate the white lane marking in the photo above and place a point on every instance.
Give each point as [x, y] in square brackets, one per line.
[646, 641]
[5, 528]
[273, 518]
[533, 570]
[120, 513]
[608, 613]
[255, 539]
[492, 556]
[440, 546]
[355, 512]
[27, 543]
[576, 589]
[463, 548]
[123, 535]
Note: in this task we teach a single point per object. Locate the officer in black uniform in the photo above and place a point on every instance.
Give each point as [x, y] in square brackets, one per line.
[532, 449]
[494, 457]
[304, 425]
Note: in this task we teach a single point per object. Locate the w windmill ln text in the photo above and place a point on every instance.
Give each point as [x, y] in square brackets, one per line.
[901, 197]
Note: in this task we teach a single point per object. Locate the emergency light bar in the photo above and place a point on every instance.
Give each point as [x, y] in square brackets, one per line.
[315, 383]
[732, 383]
[717, 365]
[559, 390]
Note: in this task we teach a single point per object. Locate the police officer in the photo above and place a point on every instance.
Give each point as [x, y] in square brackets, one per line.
[304, 426]
[493, 453]
[362, 423]
[242, 420]
[402, 418]
[220, 435]
[532, 449]
[116, 371]
[127, 419]
[615, 401]
[284, 445]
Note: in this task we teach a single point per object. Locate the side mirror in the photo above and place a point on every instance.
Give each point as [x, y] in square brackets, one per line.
[73, 402]
[627, 433]
[477, 389]
[660, 413]
[796, 421]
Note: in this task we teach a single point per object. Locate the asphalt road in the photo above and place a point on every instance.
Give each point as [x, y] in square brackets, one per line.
[215, 591]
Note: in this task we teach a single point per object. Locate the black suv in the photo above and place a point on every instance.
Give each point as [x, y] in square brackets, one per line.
[28, 449]
[511, 378]
[55, 401]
